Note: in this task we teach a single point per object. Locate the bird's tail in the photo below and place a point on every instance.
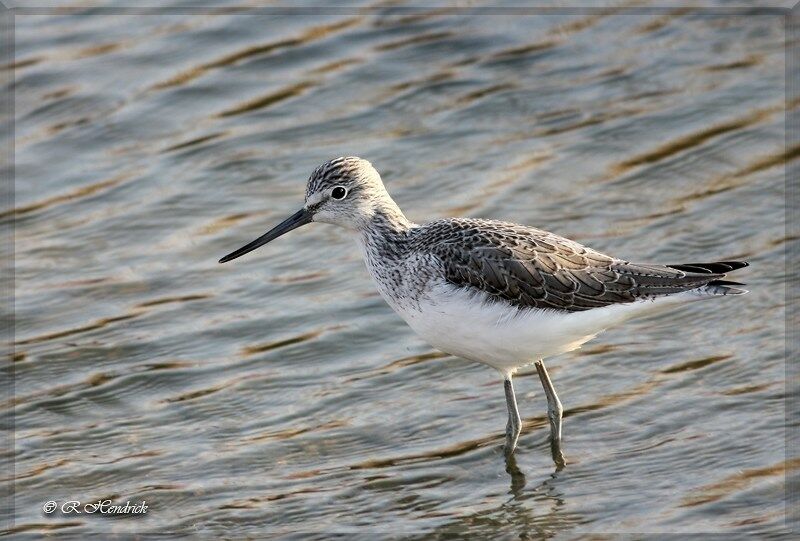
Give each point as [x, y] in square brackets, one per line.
[716, 286]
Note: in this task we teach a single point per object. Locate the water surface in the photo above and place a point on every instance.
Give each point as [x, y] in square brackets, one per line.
[278, 393]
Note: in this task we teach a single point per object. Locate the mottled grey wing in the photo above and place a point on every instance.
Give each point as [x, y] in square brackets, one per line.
[532, 268]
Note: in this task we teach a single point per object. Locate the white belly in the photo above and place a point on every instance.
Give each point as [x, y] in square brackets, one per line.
[494, 333]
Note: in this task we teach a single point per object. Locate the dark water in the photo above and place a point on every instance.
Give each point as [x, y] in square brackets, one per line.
[279, 393]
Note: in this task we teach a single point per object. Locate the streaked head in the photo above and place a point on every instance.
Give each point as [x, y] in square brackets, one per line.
[345, 191]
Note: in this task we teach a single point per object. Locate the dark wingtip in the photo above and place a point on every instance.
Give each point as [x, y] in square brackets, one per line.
[734, 265]
[717, 267]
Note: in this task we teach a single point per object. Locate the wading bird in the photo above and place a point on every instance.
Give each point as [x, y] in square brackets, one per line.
[498, 293]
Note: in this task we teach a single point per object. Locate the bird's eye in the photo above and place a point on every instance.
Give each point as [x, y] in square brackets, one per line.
[339, 192]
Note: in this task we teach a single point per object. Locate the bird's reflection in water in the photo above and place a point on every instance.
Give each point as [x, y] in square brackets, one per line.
[517, 477]
[531, 512]
[538, 511]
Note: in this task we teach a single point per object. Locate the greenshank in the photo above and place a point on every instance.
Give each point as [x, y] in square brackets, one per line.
[502, 294]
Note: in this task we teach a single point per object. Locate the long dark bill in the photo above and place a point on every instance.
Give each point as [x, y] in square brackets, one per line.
[301, 217]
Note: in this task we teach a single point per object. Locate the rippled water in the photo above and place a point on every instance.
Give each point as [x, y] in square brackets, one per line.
[279, 393]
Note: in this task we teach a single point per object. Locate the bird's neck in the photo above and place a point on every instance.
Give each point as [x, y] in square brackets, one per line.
[386, 220]
[387, 229]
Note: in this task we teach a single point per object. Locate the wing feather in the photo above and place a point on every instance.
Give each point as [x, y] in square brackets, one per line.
[532, 268]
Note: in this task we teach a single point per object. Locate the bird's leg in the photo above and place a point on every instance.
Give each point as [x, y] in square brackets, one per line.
[554, 414]
[554, 408]
[514, 425]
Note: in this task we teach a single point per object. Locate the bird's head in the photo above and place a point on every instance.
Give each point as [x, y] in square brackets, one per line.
[345, 191]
